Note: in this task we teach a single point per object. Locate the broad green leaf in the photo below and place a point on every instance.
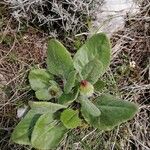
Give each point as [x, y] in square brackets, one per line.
[98, 46]
[66, 99]
[59, 61]
[113, 111]
[70, 81]
[89, 111]
[39, 78]
[47, 133]
[99, 85]
[92, 71]
[70, 119]
[32, 124]
[21, 132]
[45, 107]
[43, 94]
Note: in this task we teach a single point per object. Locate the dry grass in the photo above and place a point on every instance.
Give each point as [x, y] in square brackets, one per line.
[59, 18]
[21, 50]
[133, 81]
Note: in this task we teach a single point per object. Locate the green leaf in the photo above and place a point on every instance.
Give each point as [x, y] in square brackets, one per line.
[89, 111]
[113, 111]
[97, 47]
[70, 81]
[43, 94]
[45, 107]
[59, 61]
[99, 85]
[66, 99]
[47, 133]
[92, 71]
[21, 132]
[32, 124]
[70, 118]
[39, 78]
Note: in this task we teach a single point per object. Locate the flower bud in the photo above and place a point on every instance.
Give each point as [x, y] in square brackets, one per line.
[86, 88]
[54, 89]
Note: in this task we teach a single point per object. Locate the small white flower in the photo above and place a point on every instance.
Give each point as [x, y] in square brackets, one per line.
[25, 37]
[132, 64]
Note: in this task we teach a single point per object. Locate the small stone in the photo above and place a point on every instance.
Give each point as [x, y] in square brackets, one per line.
[21, 111]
